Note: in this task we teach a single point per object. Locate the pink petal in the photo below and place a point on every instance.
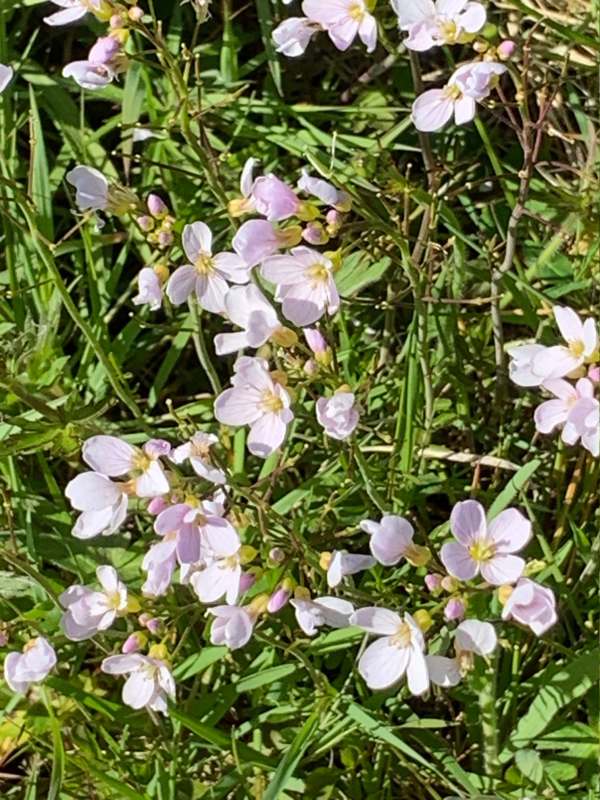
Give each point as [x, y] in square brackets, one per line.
[432, 110]
[379, 621]
[455, 557]
[237, 406]
[502, 568]
[197, 240]
[108, 455]
[476, 637]
[510, 531]
[181, 284]
[266, 435]
[569, 323]
[91, 491]
[467, 522]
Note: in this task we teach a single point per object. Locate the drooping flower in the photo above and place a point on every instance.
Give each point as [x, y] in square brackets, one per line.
[102, 65]
[232, 627]
[472, 637]
[114, 457]
[575, 409]
[338, 414]
[390, 538]
[88, 611]
[247, 307]
[325, 191]
[312, 614]
[6, 76]
[197, 452]
[532, 605]
[483, 547]
[274, 199]
[343, 563]
[258, 400]
[344, 20]
[293, 35]
[149, 289]
[32, 665]
[430, 24]
[399, 650]
[150, 683]
[207, 275]
[103, 505]
[468, 85]
[305, 284]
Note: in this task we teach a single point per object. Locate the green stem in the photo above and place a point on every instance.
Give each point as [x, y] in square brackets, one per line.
[201, 349]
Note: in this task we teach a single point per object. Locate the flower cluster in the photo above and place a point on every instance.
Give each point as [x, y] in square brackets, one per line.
[570, 373]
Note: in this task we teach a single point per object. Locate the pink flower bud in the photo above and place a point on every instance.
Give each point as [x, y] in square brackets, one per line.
[277, 555]
[246, 581]
[156, 505]
[455, 609]
[103, 52]
[594, 374]
[315, 340]
[449, 583]
[506, 49]
[334, 221]
[116, 21]
[3, 638]
[314, 233]
[154, 625]
[132, 644]
[145, 222]
[144, 618]
[165, 238]
[156, 206]
[311, 367]
[135, 14]
[433, 581]
[278, 600]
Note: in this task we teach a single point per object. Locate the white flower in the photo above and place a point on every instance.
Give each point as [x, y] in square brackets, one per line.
[88, 611]
[232, 627]
[247, 307]
[390, 538]
[30, 666]
[197, 452]
[114, 457]
[332, 611]
[338, 414]
[471, 637]
[103, 504]
[149, 684]
[222, 575]
[92, 190]
[343, 563]
[430, 24]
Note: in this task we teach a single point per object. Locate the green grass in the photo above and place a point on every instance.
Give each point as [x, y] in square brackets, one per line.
[289, 717]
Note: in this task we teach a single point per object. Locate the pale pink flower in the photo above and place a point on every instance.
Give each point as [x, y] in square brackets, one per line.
[325, 191]
[232, 627]
[293, 35]
[197, 452]
[247, 307]
[274, 199]
[483, 547]
[305, 284]
[207, 275]
[398, 651]
[103, 505]
[338, 414]
[74, 10]
[521, 366]
[91, 188]
[468, 85]
[343, 563]
[331, 611]
[433, 581]
[30, 666]
[430, 24]
[150, 683]
[390, 538]
[532, 605]
[575, 409]
[581, 346]
[6, 76]
[258, 400]
[114, 457]
[223, 571]
[149, 289]
[257, 240]
[156, 206]
[89, 75]
[344, 20]
[88, 611]
[472, 637]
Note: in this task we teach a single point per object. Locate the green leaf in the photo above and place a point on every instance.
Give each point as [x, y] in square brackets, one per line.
[513, 487]
[530, 765]
[287, 765]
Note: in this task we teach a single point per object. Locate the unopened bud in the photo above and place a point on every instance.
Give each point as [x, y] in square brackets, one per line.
[506, 49]
[594, 374]
[276, 555]
[165, 239]
[423, 619]
[417, 555]
[163, 273]
[133, 643]
[314, 233]
[325, 560]
[278, 600]
[258, 605]
[433, 581]
[449, 583]
[289, 237]
[135, 14]
[455, 609]
[247, 579]
[156, 206]
[159, 651]
[315, 340]
[284, 337]
[301, 593]
[104, 50]
[334, 220]
[146, 223]
[154, 625]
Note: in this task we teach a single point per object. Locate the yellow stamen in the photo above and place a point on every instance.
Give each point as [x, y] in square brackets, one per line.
[271, 402]
[204, 264]
[318, 273]
[482, 550]
[576, 348]
[402, 637]
[357, 11]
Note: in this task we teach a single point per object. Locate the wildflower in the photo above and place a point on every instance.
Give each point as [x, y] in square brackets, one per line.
[103, 505]
[575, 409]
[278, 600]
[257, 240]
[293, 35]
[305, 284]
[247, 307]
[150, 683]
[315, 233]
[338, 414]
[343, 563]
[325, 191]
[197, 452]
[400, 650]
[344, 20]
[223, 571]
[88, 611]
[207, 275]
[486, 548]
[318, 344]
[258, 400]
[30, 666]
[274, 199]
[6, 76]
[581, 348]
[532, 605]
[232, 627]
[133, 643]
[75, 10]
[390, 538]
[521, 366]
[92, 190]
[114, 457]
[433, 581]
[468, 85]
[100, 68]
[506, 50]
[245, 204]
[472, 637]
[149, 289]
[430, 24]
[156, 206]
[312, 614]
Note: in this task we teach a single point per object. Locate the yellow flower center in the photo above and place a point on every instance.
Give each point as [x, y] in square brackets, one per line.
[141, 461]
[204, 264]
[201, 449]
[576, 348]
[452, 92]
[482, 550]
[318, 273]
[448, 30]
[402, 637]
[357, 11]
[113, 601]
[271, 402]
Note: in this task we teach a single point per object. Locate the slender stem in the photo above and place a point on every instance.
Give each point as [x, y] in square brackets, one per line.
[201, 349]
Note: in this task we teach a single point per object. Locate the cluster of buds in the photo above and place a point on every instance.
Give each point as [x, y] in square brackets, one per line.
[157, 224]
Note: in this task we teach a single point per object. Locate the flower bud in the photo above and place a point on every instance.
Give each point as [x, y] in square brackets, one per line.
[594, 374]
[159, 651]
[146, 223]
[154, 625]
[278, 600]
[433, 581]
[104, 50]
[506, 49]
[315, 340]
[165, 239]
[284, 337]
[289, 237]
[449, 583]
[301, 593]
[247, 579]
[417, 555]
[277, 555]
[156, 206]
[311, 367]
[133, 643]
[258, 605]
[135, 14]
[334, 220]
[325, 560]
[315, 233]
[423, 619]
[455, 609]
